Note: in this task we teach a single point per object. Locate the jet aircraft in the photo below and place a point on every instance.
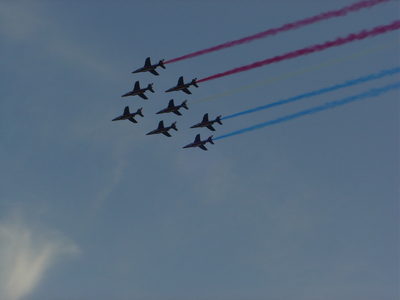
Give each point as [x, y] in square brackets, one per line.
[129, 116]
[138, 91]
[148, 67]
[172, 108]
[199, 143]
[206, 123]
[181, 86]
[162, 129]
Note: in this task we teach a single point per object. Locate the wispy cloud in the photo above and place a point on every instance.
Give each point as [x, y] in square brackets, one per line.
[18, 22]
[26, 254]
[26, 23]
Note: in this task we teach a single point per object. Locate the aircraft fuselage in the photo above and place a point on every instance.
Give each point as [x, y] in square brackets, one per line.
[202, 124]
[146, 69]
[168, 110]
[124, 117]
[195, 144]
[178, 88]
[160, 130]
[157, 131]
[134, 92]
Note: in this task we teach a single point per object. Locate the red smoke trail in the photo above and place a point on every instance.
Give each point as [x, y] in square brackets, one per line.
[339, 41]
[324, 16]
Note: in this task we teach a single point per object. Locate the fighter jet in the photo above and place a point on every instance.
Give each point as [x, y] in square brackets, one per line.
[183, 86]
[129, 116]
[138, 91]
[172, 108]
[162, 129]
[199, 143]
[207, 123]
[148, 67]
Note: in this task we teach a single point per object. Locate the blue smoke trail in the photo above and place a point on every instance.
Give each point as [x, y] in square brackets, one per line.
[371, 93]
[362, 79]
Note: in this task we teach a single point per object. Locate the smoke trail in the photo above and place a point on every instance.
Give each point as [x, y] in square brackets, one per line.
[316, 109]
[302, 71]
[348, 83]
[319, 47]
[290, 26]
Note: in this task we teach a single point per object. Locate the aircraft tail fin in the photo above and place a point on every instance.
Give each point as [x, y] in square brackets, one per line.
[150, 87]
[218, 120]
[194, 82]
[126, 110]
[139, 112]
[184, 104]
[173, 126]
[161, 64]
[210, 140]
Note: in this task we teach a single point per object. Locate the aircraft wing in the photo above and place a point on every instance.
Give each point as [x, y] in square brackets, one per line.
[160, 125]
[177, 112]
[127, 94]
[143, 96]
[180, 81]
[147, 62]
[211, 128]
[137, 85]
[203, 147]
[132, 120]
[154, 72]
[166, 133]
[205, 118]
[186, 91]
[197, 138]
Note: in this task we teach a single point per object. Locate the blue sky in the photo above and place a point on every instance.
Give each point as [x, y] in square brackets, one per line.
[94, 209]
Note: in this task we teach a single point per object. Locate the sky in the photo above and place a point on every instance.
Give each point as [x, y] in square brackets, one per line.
[307, 208]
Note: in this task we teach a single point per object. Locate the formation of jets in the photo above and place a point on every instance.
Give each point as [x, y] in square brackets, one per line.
[181, 86]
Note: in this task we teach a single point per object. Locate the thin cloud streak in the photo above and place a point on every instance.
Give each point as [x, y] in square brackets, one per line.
[23, 23]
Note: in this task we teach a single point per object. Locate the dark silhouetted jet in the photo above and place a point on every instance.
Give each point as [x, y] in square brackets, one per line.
[162, 129]
[172, 108]
[207, 123]
[129, 116]
[183, 86]
[138, 91]
[148, 67]
[199, 143]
